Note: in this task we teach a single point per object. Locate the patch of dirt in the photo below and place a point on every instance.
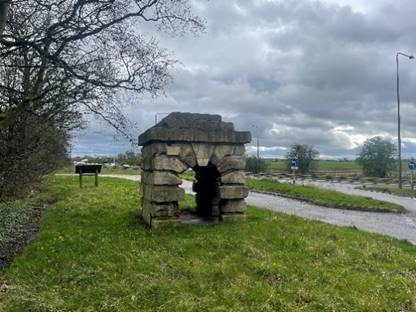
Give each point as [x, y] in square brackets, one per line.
[22, 238]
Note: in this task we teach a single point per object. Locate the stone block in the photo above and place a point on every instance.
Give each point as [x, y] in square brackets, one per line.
[173, 149]
[147, 218]
[153, 149]
[233, 177]
[233, 206]
[164, 163]
[222, 150]
[162, 194]
[231, 163]
[203, 152]
[233, 191]
[160, 210]
[187, 155]
[160, 178]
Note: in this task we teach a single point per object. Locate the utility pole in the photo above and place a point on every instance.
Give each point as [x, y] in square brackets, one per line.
[399, 140]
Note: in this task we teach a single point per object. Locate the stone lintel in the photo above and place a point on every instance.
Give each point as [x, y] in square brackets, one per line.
[158, 134]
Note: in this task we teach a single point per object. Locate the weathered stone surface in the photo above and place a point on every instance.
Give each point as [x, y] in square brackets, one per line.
[187, 155]
[187, 127]
[233, 191]
[164, 163]
[160, 210]
[150, 150]
[147, 218]
[173, 149]
[233, 205]
[160, 178]
[203, 152]
[231, 163]
[233, 177]
[220, 151]
[162, 194]
[204, 143]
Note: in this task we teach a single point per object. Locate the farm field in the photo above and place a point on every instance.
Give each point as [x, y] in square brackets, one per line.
[321, 165]
[93, 254]
[328, 165]
[394, 190]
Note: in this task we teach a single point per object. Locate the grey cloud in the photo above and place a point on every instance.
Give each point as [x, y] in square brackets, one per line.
[295, 71]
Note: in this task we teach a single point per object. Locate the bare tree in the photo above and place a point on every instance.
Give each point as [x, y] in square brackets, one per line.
[94, 46]
[62, 59]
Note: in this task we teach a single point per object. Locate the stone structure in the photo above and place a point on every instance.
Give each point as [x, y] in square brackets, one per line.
[212, 148]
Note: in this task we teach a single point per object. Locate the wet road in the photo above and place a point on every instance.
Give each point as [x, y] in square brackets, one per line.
[402, 226]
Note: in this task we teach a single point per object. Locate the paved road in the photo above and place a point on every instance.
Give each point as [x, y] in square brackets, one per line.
[402, 226]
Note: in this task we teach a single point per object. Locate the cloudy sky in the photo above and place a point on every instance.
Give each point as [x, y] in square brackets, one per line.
[292, 71]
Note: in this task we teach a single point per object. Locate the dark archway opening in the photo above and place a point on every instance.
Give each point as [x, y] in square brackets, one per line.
[206, 188]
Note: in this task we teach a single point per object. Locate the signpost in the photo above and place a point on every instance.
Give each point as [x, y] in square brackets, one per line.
[82, 169]
[412, 168]
[294, 167]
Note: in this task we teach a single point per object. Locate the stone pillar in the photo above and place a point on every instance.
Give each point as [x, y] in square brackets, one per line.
[160, 191]
[232, 189]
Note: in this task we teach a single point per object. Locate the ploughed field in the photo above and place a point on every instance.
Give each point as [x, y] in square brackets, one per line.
[93, 254]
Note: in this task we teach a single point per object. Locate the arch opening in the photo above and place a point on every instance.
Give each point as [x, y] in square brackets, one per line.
[206, 188]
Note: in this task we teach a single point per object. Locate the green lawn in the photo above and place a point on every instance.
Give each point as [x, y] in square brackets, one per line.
[92, 254]
[323, 197]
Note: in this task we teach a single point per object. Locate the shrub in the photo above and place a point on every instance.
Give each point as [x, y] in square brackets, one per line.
[256, 165]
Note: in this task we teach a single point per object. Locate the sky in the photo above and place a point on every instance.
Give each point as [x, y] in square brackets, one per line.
[320, 72]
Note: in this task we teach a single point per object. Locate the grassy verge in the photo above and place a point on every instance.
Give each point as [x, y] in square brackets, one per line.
[391, 190]
[19, 221]
[323, 197]
[92, 254]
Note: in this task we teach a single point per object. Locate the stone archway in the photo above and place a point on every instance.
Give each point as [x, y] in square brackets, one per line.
[212, 148]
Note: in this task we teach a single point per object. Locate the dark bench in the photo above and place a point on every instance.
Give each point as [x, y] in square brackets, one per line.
[88, 169]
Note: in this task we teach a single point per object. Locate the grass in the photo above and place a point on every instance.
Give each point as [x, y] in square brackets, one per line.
[92, 254]
[188, 175]
[405, 192]
[323, 197]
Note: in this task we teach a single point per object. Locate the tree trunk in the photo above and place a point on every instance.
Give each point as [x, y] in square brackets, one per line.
[4, 9]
